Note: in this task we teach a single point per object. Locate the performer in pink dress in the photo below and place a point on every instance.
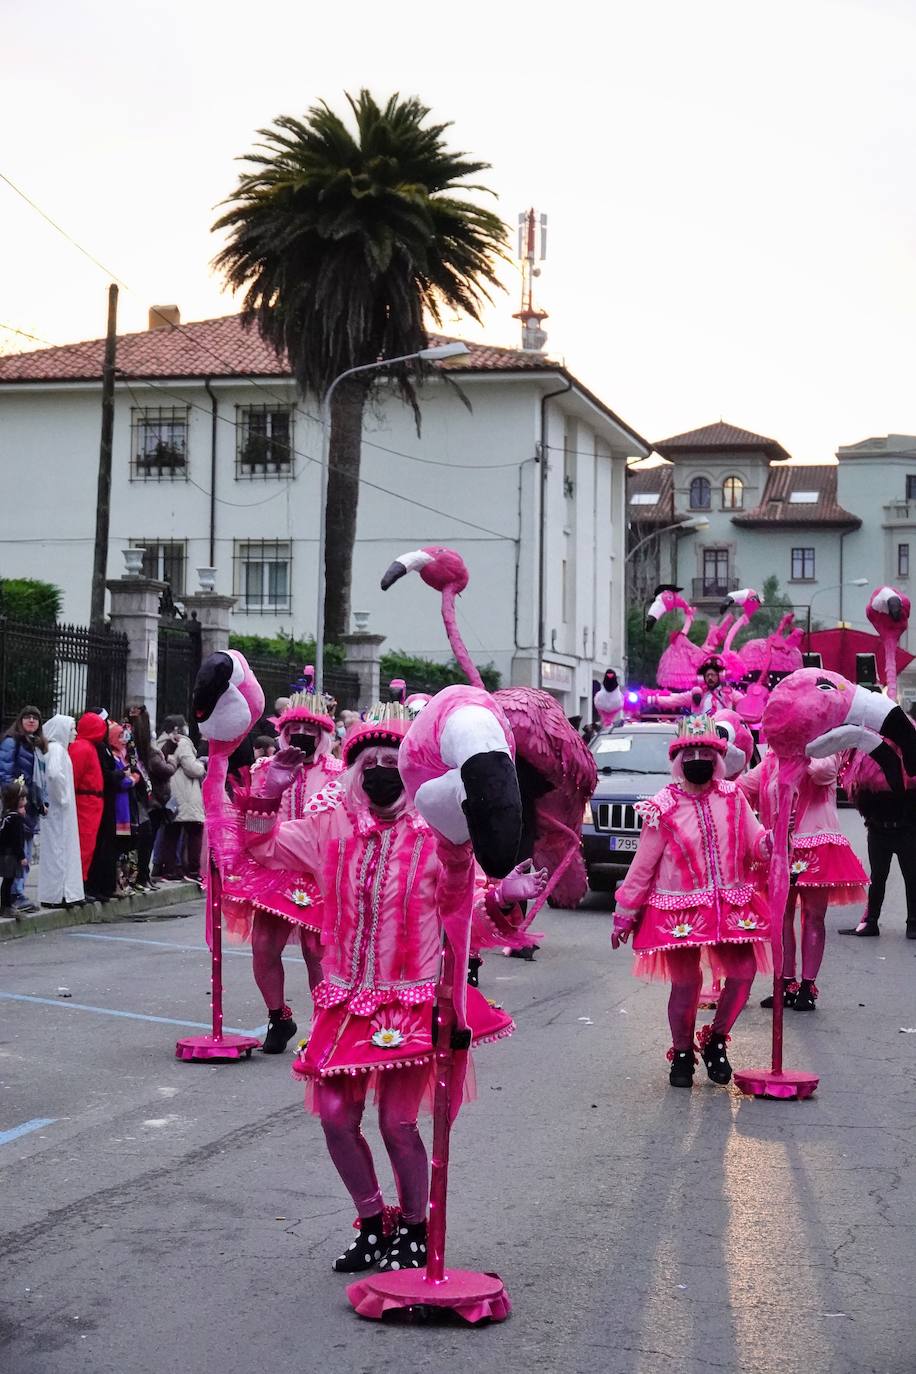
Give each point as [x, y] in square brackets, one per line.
[711, 694]
[266, 907]
[374, 858]
[824, 871]
[691, 894]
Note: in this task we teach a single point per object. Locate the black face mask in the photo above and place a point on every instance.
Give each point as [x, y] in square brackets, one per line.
[307, 743]
[698, 770]
[382, 786]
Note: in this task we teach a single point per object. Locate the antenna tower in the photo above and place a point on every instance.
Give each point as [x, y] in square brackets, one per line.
[532, 237]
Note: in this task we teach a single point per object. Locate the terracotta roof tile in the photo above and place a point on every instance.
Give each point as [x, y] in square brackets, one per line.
[776, 507]
[719, 435]
[214, 348]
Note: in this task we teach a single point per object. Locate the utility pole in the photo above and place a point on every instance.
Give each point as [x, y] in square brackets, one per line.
[103, 504]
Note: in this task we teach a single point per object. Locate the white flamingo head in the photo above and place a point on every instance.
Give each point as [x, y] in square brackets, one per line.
[667, 598]
[888, 607]
[747, 600]
[438, 566]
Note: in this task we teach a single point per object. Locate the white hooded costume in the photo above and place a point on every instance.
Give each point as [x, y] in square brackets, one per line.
[60, 874]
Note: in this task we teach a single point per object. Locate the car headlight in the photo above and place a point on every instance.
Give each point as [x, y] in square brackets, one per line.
[587, 818]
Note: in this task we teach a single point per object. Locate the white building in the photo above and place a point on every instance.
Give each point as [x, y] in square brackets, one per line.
[216, 463]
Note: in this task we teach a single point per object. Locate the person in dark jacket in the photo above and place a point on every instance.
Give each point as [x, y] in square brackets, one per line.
[890, 827]
[22, 755]
[12, 844]
[152, 774]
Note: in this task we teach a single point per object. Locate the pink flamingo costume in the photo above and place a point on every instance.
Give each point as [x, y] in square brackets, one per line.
[680, 661]
[608, 700]
[266, 907]
[889, 612]
[823, 868]
[377, 866]
[692, 893]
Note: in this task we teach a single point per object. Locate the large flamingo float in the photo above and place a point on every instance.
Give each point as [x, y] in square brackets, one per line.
[889, 612]
[749, 603]
[227, 701]
[811, 714]
[780, 651]
[680, 662]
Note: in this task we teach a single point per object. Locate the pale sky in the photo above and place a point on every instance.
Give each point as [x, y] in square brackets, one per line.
[730, 185]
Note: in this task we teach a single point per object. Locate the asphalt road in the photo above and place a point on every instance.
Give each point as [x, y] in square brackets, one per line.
[167, 1216]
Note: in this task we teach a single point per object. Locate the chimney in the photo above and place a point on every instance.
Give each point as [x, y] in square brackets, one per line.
[164, 316]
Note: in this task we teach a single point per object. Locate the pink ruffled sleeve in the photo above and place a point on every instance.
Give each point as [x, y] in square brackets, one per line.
[756, 836]
[824, 772]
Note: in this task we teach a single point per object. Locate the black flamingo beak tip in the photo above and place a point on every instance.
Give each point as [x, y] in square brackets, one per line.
[899, 729]
[493, 808]
[650, 621]
[393, 573]
[726, 605]
[895, 608]
[888, 760]
[213, 677]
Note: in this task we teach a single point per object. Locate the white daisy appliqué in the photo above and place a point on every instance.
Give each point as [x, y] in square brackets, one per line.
[681, 930]
[747, 923]
[300, 897]
[386, 1038]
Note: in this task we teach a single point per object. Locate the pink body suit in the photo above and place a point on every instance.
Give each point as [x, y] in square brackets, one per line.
[692, 891]
[824, 870]
[265, 907]
[374, 1007]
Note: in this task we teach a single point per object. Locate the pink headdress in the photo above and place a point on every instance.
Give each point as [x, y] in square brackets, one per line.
[385, 723]
[308, 706]
[697, 732]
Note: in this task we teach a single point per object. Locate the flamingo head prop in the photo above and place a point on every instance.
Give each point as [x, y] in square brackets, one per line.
[813, 713]
[609, 682]
[415, 703]
[738, 738]
[747, 600]
[888, 611]
[440, 568]
[666, 598]
[227, 700]
[397, 690]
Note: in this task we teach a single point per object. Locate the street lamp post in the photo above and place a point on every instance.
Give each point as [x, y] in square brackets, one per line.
[449, 350]
[693, 522]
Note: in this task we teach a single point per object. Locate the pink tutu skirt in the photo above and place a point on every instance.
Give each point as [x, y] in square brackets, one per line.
[704, 926]
[828, 861]
[295, 897]
[394, 1036]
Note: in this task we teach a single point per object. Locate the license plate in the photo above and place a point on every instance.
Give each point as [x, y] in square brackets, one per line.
[623, 842]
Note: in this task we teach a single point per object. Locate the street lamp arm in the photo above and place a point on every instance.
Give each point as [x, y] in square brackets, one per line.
[685, 525]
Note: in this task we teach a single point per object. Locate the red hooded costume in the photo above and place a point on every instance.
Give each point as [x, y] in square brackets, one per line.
[88, 782]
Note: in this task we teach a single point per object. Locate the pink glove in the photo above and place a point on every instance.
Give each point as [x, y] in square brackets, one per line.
[624, 921]
[523, 884]
[280, 772]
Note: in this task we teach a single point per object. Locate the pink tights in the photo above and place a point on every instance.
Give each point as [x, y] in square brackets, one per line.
[340, 1104]
[813, 933]
[737, 963]
[269, 935]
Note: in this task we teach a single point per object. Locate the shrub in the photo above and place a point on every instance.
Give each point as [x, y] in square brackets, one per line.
[29, 600]
[425, 675]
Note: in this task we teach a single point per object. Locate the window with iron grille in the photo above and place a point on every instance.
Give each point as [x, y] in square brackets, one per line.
[165, 560]
[262, 575]
[715, 572]
[264, 445]
[159, 443]
[903, 560]
[802, 565]
[911, 486]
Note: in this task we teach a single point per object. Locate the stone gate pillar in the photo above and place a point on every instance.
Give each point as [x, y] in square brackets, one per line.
[213, 612]
[135, 613]
[363, 656]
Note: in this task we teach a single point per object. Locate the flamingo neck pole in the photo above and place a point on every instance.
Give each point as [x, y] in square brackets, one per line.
[462, 657]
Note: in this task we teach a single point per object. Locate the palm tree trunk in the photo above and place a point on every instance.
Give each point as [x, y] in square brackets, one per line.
[347, 408]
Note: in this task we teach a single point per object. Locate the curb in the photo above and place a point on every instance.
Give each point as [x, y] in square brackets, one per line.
[95, 913]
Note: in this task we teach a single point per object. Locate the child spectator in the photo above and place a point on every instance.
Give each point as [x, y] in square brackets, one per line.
[12, 845]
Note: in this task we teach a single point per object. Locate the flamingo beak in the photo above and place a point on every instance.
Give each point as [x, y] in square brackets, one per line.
[213, 678]
[895, 608]
[726, 604]
[870, 715]
[222, 713]
[407, 562]
[610, 682]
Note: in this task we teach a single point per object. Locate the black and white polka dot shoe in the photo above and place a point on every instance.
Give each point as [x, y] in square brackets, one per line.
[367, 1249]
[712, 1047]
[408, 1247]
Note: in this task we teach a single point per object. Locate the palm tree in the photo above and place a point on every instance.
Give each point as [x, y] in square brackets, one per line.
[344, 245]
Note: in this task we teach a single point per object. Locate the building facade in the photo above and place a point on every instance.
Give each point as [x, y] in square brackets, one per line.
[216, 465]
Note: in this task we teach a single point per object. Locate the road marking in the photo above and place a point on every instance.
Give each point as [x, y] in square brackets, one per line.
[34, 1125]
[168, 944]
[129, 1015]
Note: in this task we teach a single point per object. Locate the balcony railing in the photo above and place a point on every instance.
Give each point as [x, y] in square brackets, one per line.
[713, 588]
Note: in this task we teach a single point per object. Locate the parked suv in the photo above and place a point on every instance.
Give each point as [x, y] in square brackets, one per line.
[632, 762]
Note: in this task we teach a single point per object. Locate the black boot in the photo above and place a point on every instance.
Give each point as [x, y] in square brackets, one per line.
[712, 1047]
[474, 964]
[280, 1030]
[683, 1065]
[806, 997]
[911, 930]
[408, 1247]
[367, 1249]
[865, 927]
[789, 994]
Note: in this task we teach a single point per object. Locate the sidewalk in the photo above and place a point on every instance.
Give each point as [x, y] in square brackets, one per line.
[118, 909]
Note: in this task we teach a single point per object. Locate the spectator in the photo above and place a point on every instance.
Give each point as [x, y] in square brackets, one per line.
[125, 814]
[12, 845]
[88, 783]
[152, 776]
[60, 876]
[22, 754]
[188, 824]
[102, 879]
[265, 746]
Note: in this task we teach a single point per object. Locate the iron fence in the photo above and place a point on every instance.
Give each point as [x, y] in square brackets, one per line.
[61, 668]
[179, 660]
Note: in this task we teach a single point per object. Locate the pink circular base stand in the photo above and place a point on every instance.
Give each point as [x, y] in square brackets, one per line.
[216, 1047]
[473, 1297]
[790, 1083]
